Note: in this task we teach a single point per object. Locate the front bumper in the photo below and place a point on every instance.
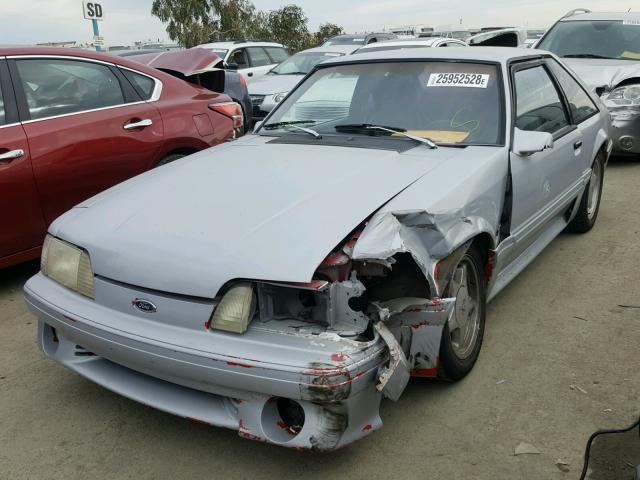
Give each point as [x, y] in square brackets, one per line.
[625, 131]
[338, 395]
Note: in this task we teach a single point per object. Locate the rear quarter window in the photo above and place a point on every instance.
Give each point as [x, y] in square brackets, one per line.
[141, 83]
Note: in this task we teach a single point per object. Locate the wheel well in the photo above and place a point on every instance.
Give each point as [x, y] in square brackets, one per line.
[484, 243]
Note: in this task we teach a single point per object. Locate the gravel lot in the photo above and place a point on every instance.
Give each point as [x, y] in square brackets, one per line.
[560, 324]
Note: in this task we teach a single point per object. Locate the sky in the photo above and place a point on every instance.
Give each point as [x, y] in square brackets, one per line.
[127, 21]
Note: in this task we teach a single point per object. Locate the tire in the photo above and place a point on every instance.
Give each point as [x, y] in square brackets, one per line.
[589, 207]
[169, 159]
[463, 333]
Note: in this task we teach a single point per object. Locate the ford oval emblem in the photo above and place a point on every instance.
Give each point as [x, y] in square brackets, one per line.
[144, 305]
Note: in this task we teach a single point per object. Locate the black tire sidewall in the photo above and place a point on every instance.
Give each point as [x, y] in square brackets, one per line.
[452, 367]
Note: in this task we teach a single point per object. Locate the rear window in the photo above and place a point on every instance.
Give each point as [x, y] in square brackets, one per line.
[143, 84]
[449, 103]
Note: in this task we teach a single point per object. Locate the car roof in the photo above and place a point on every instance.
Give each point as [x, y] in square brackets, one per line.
[426, 41]
[248, 43]
[611, 16]
[481, 54]
[342, 49]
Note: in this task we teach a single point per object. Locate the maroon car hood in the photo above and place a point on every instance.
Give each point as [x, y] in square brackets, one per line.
[186, 62]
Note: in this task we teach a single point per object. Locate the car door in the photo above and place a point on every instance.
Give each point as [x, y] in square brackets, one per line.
[21, 223]
[543, 183]
[87, 127]
[259, 61]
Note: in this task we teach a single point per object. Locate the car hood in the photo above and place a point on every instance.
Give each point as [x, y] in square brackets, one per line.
[250, 209]
[270, 84]
[598, 73]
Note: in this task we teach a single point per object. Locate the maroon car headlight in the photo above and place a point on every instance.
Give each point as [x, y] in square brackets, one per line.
[67, 265]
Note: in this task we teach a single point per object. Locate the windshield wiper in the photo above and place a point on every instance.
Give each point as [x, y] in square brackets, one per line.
[585, 55]
[307, 130]
[294, 124]
[273, 126]
[400, 131]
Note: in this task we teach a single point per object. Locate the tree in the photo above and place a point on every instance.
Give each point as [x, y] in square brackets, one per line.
[238, 19]
[326, 31]
[189, 22]
[288, 25]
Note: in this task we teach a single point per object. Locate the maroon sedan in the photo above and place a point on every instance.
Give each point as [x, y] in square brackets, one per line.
[73, 123]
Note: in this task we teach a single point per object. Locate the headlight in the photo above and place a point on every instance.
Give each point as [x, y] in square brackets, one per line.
[627, 95]
[278, 97]
[235, 310]
[68, 265]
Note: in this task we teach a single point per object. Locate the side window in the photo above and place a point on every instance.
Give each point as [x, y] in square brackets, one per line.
[143, 84]
[582, 107]
[57, 87]
[277, 54]
[239, 57]
[539, 107]
[258, 56]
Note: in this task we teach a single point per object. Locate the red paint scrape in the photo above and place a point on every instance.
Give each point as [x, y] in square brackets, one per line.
[367, 427]
[241, 365]
[338, 357]
[286, 427]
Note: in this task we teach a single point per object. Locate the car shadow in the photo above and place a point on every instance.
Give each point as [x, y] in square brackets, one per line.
[16, 276]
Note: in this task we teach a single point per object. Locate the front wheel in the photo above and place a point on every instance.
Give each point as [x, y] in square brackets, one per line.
[589, 207]
[463, 333]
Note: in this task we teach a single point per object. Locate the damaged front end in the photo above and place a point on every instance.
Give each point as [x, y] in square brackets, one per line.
[381, 285]
[623, 103]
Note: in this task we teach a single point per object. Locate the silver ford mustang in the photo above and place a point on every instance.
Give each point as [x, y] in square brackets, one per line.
[283, 284]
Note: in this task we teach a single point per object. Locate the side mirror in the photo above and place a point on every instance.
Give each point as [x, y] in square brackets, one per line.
[257, 125]
[527, 143]
[232, 66]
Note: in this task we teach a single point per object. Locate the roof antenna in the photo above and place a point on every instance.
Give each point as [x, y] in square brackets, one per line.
[629, 10]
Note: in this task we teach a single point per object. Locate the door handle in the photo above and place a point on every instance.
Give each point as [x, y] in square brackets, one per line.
[12, 155]
[141, 124]
[577, 145]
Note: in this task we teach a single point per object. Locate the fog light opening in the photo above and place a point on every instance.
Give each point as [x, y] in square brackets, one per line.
[626, 143]
[282, 419]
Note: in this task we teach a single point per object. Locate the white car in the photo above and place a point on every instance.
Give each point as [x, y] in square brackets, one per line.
[253, 59]
[420, 42]
[271, 89]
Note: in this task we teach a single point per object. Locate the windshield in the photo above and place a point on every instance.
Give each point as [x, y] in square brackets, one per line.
[594, 39]
[449, 103]
[302, 63]
[345, 41]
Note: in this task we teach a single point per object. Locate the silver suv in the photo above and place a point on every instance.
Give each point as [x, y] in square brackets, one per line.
[604, 50]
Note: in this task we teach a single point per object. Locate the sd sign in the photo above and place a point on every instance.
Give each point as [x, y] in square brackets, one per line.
[92, 11]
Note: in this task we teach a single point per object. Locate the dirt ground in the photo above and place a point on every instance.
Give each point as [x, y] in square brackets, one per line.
[566, 321]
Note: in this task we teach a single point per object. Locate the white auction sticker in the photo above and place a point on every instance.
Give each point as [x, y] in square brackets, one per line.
[629, 21]
[469, 80]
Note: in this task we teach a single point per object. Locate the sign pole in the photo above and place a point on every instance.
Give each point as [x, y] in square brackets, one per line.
[96, 33]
